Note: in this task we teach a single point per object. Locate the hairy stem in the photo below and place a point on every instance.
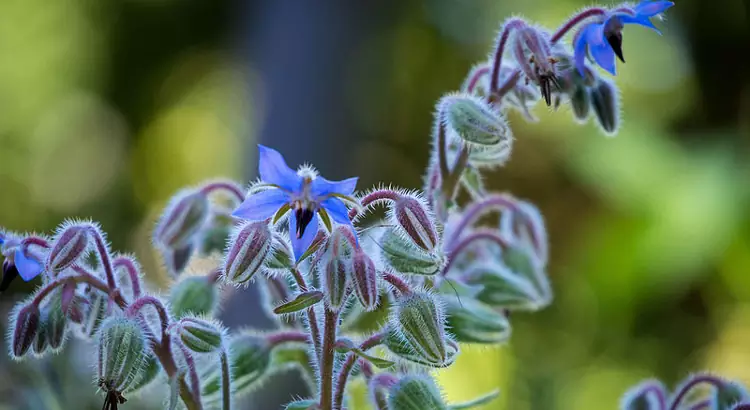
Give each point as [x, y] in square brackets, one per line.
[575, 20]
[312, 318]
[508, 27]
[227, 186]
[699, 379]
[478, 74]
[397, 282]
[326, 360]
[476, 210]
[464, 243]
[160, 310]
[374, 198]
[346, 369]
[135, 279]
[226, 381]
[101, 249]
[277, 338]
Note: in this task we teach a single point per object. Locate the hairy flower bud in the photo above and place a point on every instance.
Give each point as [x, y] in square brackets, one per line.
[41, 341]
[420, 319]
[25, 324]
[177, 259]
[69, 245]
[55, 324]
[403, 257]
[335, 282]
[185, 215]
[248, 249]
[123, 351]
[95, 314]
[365, 278]
[151, 370]
[193, 294]
[249, 358]
[580, 102]
[416, 220]
[280, 258]
[473, 322]
[200, 336]
[605, 103]
[474, 120]
[415, 392]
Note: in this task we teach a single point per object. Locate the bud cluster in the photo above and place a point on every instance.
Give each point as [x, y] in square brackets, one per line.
[384, 297]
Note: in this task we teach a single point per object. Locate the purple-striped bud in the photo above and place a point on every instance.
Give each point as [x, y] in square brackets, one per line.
[365, 278]
[335, 277]
[69, 245]
[248, 249]
[474, 120]
[123, 352]
[200, 336]
[416, 220]
[421, 320]
[25, 328]
[94, 315]
[185, 215]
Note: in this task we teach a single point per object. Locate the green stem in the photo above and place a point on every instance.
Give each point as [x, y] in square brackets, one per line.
[226, 382]
[326, 360]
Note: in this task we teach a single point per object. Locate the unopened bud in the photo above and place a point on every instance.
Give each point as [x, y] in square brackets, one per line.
[421, 321]
[280, 258]
[41, 341]
[365, 278]
[123, 352]
[605, 103]
[403, 257]
[399, 346]
[185, 215]
[474, 322]
[249, 359]
[56, 321]
[199, 335]
[415, 392]
[644, 396]
[580, 101]
[729, 394]
[151, 370]
[416, 220]
[69, 245]
[474, 120]
[335, 281]
[177, 259]
[249, 247]
[25, 327]
[193, 294]
[95, 314]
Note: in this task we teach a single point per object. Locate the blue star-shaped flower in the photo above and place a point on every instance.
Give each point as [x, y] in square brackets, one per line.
[603, 40]
[303, 191]
[17, 262]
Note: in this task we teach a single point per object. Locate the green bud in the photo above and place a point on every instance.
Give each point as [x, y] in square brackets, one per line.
[123, 350]
[96, 312]
[421, 321]
[280, 258]
[473, 322]
[200, 336]
[249, 358]
[25, 325]
[474, 120]
[193, 294]
[580, 101]
[69, 245]
[729, 394]
[40, 344]
[401, 347]
[55, 324]
[403, 257]
[605, 103]
[151, 370]
[415, 392]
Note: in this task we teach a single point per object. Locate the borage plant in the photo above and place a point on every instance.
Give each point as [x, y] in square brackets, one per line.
[362, 295]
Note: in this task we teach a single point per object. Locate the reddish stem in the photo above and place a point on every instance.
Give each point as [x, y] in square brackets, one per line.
[227, 186]
[327, 357]
[277, 338]
[373, 197]
[508, 27]
[575, 20]
[476, 77]
[195, 382]
[346, 368]
[140, 303]
[35, 240]
[397, 282]
[464, 243]
[476, 210]
[101, 249]
[696, 380]
[135, 279]
[312, 318]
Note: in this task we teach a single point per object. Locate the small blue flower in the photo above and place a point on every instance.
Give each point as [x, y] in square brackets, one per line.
[303, 191]
[603, 40]
[17, 263]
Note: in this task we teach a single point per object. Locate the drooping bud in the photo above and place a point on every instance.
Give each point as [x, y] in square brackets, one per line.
[200, 336]
[185, 215]
[415, 392]
[420, 319]
[280, 258]
[412, 215]
[25, 324]
[605, 103]
[365, 278]
[151, 370]
[123, 352]
[335, 281]
[644, 396]
[41, 341]
[177, 259]
[95, 314]
[193, 294]
[69, 245]
[249, 358]
[580, 101]
[56, 321]
[504, 288]
[403, 257]
[248, 249]
[473, 322]
[474, 120]
[399, 346]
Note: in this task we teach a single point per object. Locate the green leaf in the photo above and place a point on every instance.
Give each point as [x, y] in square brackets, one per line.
[281, 212]
[346, 345]
[326, 219]
[476, 402]
[313, 247]
[302, 301]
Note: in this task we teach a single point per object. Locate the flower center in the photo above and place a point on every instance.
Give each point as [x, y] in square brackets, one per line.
[303, 215]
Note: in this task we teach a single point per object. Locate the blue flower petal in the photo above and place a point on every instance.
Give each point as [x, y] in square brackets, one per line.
[600, 48]
[262, 205]
[274, 170]
[652, 8]
[580, 49]
[337, 210]
[300, 245]
[28, 268]
[643, 21]
[323, 187]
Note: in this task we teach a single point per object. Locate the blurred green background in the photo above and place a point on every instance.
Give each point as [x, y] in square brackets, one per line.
[108, 107]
